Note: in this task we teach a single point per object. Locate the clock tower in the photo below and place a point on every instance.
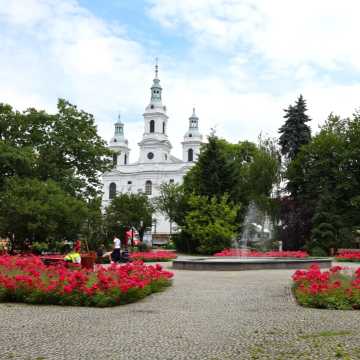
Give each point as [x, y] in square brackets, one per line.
[155, 146]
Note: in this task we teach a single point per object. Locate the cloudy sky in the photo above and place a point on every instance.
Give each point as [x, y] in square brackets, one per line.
[239, 62]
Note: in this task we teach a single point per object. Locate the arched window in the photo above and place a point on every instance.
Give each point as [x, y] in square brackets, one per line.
[164, 127]
[190, 155]
[112, 190]
[152, 126]
[115, 159]
[148, 187]
[125, 159]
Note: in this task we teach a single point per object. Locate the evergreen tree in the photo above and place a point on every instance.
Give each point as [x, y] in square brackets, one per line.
[295, 132]
[214, 174]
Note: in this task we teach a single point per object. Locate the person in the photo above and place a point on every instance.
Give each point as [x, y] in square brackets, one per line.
[77, 245]
[73, 257]
[100, 252]
[115, 256]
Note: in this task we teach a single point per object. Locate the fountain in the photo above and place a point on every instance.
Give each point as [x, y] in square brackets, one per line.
[256, 232]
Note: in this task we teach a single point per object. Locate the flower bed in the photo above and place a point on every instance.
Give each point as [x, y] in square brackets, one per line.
[28, 280]
[247, 253]
[152, 256]
[338, 288]
[348, 255]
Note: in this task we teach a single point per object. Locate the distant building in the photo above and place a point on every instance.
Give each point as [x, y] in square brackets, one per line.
[156, 165]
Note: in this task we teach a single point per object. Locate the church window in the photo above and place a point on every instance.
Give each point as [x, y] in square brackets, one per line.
[148, 187]
[172, 181]
[125, 159]
[115, 159]
[129, 182]
[112, 190]
[150, 155]
[151, 106]
[163, 127]
[165, 156]
[190, 155]
[152, 126]
[190, 135]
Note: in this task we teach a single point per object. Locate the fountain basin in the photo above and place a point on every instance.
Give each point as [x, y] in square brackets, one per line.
[232, 263]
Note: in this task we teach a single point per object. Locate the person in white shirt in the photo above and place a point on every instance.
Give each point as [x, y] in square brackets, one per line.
[115, 256]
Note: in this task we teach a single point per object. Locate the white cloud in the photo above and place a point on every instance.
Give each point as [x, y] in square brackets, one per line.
[56, 49]
[318, 32]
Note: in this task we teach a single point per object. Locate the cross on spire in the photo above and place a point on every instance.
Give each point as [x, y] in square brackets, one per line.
[156, 68]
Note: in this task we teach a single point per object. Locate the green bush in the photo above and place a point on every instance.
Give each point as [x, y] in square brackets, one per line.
[211, 223]
[39, 247]
[318, 251]
[185, 243]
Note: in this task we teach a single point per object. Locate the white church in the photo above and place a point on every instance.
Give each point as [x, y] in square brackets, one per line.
[155, 165]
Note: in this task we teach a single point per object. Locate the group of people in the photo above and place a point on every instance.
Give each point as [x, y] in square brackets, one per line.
[116, 255]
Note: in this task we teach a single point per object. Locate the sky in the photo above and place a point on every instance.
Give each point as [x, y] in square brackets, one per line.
[240, 63]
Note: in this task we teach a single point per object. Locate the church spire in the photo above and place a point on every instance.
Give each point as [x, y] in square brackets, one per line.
[156, 89]
[193, 121]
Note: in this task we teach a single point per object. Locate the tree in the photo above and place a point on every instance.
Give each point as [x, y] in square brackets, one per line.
[210, 223]
[61, 156]
[129, 210]
[33, 210]
[294, 133]
[63, 147]
[325, 178]
[172, 202]
[215, 173]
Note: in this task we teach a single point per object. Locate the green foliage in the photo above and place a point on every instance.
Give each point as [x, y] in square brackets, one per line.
[39, 211]
[325, 177]
[318, 251]
[49, 166]
[211, 223]
[128, 210]
[244, 171]
[294, 133]
[63, 147]
[295, 218]
[172, 202]
[39, 247]
[214, 173]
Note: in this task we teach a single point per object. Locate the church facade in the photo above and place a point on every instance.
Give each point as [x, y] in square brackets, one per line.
[156, 164]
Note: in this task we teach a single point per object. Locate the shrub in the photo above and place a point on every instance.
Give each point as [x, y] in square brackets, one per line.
[211, 223]
[337, 288]
[143, 247]
[28, 280]
[318, 251]
[39, 247]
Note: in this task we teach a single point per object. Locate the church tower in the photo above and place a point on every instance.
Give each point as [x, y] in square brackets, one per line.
[192, 140]
[119, 145]
[155, 146]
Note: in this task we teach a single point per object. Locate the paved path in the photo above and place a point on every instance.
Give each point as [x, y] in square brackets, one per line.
[205, 315]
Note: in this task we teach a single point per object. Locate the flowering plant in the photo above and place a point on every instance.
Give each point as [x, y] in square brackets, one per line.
[153, 256]
[338, 288]
[348, 255]
[27, 279]
[248, 253]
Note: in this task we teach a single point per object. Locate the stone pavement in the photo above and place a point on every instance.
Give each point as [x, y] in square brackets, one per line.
[204, 315]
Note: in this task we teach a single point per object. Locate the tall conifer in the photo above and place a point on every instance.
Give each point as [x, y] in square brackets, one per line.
[295, 132]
